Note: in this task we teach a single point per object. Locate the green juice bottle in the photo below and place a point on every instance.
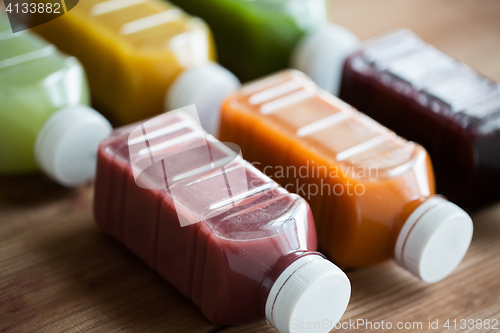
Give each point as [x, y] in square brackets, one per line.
[45, 122]
[256, 37]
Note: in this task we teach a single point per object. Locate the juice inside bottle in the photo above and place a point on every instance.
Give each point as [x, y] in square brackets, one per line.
[255, 38]
[36, 80]
[131, 50]
[223, 240]
[364, 183]
[426, 96]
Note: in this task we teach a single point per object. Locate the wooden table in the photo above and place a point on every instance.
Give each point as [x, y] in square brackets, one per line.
[59, 273]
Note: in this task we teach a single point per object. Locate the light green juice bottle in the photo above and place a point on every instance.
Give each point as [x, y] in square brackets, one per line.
[44, 121]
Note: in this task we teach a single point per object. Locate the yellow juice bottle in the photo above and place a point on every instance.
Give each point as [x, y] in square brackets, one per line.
[131, 50]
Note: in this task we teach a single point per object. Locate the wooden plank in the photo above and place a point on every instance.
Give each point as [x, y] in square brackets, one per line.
[60, 273]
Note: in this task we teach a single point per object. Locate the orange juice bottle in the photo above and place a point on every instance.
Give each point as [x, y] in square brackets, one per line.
[131, 51]
[371, 192]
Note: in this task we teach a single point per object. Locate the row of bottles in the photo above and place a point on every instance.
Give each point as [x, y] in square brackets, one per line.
[227, 236]
[397, 79]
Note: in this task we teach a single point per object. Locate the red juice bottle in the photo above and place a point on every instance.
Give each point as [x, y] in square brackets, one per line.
[224, 234]
[428, 97]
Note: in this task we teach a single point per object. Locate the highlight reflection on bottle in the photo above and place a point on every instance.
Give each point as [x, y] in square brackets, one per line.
[159, 163]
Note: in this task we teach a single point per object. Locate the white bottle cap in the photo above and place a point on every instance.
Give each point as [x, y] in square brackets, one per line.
[434, 239]
[205, 86]
[311, 290]
[321, 55]
[66, 147]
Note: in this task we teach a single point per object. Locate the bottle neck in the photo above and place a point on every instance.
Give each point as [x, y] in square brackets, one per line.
[433, 238]
[66, 146]
[206, 87]
[321, 55]
[405, 214]
[278, 268]
[304, 287]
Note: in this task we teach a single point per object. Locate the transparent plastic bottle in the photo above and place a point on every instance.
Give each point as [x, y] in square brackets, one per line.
[371, 192]
[131, 51]
[44, 121]
[242, 248]
[373, 197]
[428, 97]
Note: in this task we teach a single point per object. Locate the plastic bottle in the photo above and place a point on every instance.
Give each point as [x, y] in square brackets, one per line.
[242, 248]
[131, 51]
[428, 97]
[44, 121]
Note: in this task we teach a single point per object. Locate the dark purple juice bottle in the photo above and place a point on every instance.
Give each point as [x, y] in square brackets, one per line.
[428, 97]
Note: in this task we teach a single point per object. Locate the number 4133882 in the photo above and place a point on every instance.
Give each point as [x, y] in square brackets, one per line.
[472, 324]
[33, 8]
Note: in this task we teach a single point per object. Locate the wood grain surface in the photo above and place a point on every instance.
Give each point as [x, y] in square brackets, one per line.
[58, 273]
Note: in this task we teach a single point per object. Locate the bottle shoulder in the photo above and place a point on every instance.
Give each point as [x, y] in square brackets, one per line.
[26, 59]
[146, 29]
[429, 80]
[325, 127]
